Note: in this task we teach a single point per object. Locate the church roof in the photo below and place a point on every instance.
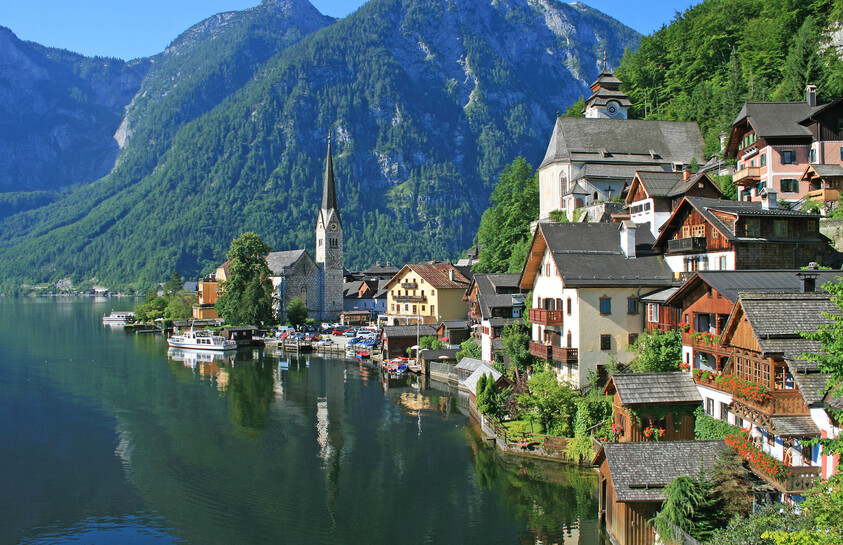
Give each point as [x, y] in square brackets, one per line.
[329, 191]
[624, 141]
[278, 261]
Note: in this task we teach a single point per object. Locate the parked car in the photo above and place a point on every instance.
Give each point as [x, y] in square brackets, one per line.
[338, 331]
[283, 331]
[350, 333]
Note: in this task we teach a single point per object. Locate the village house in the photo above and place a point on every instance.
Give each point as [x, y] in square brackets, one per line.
[207, 292]
[706, 300]
[793, 148]
[368, 295]
[398, 339]
[454, 332]
[633, 477]
[426, 293]
[653, 406]
[586, 280]
[595, 158]
[716, 234]
[768, 386]
[653, 196]
[494, 301]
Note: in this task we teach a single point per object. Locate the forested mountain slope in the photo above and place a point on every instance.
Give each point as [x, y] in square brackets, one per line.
[427, 101]
[719, 54]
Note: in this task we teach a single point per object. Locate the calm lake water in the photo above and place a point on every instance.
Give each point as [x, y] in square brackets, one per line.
[108, 439]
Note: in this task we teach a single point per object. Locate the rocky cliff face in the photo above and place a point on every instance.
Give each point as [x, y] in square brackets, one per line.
[58, 114]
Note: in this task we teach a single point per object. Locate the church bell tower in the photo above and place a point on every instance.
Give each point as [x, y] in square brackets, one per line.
[329, 241]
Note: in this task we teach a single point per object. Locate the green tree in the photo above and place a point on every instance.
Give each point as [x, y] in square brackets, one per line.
[516, 345]
[174, 285]
[506, 223]
[296, 312]
[802, 65]
[657, 352]
[485, 393]
[551, 402]
[431, 343]
[688, 505]
[246, 295]
[731, 487]
[576, 109]
[470, 348]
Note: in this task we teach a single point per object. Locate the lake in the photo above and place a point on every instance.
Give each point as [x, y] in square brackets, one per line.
[108, 438]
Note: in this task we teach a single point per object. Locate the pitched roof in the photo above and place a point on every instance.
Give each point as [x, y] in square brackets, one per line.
[776, 119]
[378, 269]
[422, 330]
[278, 261]
[812, 386]
[668, 184]
[626, 141]
[647, 388]
[589, 254]
[495, 291]
[438, 275]
[794, 426]
[483, 369]
[707, 208]
[658, 296]
[641, 470]
[729, 284]
[469, 364]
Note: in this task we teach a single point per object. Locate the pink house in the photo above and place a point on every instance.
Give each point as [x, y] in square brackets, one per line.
[794, 149]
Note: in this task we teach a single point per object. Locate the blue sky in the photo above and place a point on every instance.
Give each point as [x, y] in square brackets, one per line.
[127, 30]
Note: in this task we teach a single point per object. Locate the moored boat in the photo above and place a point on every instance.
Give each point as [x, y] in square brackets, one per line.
[201, 339]
[119, 317]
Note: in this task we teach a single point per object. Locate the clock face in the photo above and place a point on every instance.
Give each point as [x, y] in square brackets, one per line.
[612, 108]
[332, 226]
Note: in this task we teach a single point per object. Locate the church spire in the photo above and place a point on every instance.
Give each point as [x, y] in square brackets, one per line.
[329, 191]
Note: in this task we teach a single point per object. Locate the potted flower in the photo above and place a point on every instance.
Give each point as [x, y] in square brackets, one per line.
[654, 433]
[684, 327]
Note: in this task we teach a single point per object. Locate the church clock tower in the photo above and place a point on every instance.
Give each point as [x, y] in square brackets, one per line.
[329, 242]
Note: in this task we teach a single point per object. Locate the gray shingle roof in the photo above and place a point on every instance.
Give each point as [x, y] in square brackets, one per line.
[658, 296]
[828, 171]
[626, 140]
[640, 471]
[449, 353]
[647, 388]
[483, 369]
[794, 426]
[776, 119]
[812, 386]
[278, 261]
[589, 254]
[495, 291]
[730, 283]
[469, 364]
[394, 331]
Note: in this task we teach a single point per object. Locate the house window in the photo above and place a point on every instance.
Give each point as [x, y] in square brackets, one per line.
[812, 157]
[569, 306]
[724, 411]
[753, 227]
[812, 225]
[714, 233]
[789, 185]
[433, 310]
[698, 230]
[771, 440]
[605, 305]
[763, 159]
[424, 307]
[632, 338]
[414, 309]
[631, 305]
[605, 342]
[788, 157]
[652, 312]
[722, 262]
[841, 152]
[547, 269]
[709, 406]
[780, 228]
[686, 231]
[393, 307]
[406, 307]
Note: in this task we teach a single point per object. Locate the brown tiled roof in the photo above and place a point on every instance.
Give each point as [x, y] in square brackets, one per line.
[438, 275]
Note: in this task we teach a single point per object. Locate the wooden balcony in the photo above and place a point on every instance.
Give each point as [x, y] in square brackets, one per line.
[409, 285]
[409, 298]
[747, 176]
[712, 347]
[540, 350]
[687, 244]
[823, 195]
[798, 480]
[546, 317]
[565, 355]
[781, 403]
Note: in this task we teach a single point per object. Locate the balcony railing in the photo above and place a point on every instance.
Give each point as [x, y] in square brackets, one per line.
[704, 343]
[747, 175]
[797, 480]
[687, 244]
[540, 350]
[409, 298]
[409, 285]
[546, 317]
[565, 355]
[824, 195]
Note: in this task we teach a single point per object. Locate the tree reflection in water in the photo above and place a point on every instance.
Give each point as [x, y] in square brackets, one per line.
[251, 392]
[554, 498]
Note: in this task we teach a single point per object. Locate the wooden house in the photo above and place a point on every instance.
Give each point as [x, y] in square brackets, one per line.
[650, 402]
[243, 335]
[633, 477]
[494, 302]
[714, 234]
[398, 338]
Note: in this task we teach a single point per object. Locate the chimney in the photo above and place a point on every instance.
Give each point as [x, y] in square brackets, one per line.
[769, 198]
[811, 95]
[628, 238]
[451, 275]
[686, 174]
[809, 279]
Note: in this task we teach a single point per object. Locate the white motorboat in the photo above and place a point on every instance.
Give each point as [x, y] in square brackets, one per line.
[201, 339]
[119, 317]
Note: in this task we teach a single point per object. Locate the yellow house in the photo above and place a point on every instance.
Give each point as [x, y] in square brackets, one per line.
[208, 291]
[426, 293]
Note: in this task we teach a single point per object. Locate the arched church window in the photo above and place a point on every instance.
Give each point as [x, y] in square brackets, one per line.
[304, 295]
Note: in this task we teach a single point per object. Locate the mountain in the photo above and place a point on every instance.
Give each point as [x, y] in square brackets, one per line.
[58, 114]
[428, 100]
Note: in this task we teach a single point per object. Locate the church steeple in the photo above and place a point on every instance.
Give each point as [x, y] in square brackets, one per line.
[329, 191]
[607, 100]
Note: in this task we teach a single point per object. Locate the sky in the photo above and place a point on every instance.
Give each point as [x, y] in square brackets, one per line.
[133, 29]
